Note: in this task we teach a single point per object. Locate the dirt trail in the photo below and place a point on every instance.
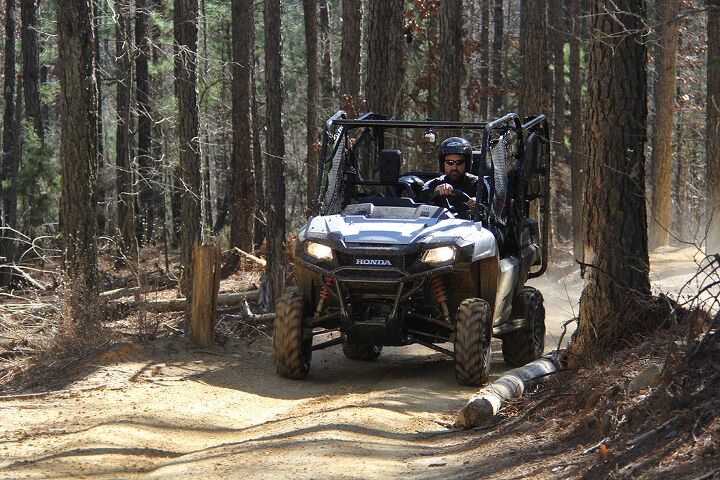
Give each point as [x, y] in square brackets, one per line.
[167, 412]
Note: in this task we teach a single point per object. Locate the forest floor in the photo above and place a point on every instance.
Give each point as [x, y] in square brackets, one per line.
[163, 409]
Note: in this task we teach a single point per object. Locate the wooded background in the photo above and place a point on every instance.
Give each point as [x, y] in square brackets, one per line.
[141, 122]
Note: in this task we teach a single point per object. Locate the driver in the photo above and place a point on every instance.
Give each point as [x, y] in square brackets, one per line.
[455, 158]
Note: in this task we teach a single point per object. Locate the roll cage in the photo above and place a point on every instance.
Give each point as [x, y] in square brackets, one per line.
[513, 157]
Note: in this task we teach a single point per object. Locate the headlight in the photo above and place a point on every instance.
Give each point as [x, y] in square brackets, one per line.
[439, 255]
[319, 251]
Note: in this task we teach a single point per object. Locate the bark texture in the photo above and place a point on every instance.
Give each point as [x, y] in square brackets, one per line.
[557, 35]
[78, 156]
[496, 58]
[484, 58]
[10, 162]
[311, 57]
[275, 157]
[260, 200]
[243, 170]
[186, 39]
[713, 128]
[101, 188]
[431, 68]
[386, 57]
[147, 172]
[327, 88]
[452, 70]
[123, 164]
[577, 158]
[562, 225]
[615, 234]
[534, 96]
[664, 116]
[31, 66]
[350, 100]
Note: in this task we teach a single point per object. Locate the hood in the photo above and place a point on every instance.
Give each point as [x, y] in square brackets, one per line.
[360, 229]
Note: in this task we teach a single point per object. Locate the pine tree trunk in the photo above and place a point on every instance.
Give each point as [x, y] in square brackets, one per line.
[350, 57]
[385, 57]
[484, 58]
[275, 157]
[556, 43]
[497, 59]
[243, 170]
[10, 163]
[327, 90]
[123, 165]
[206, 204]
[311, 49]
[260, 199]
[681, 179]
[663, 134]
[431, 69]
[577, 162]
[162, 198]
[78, 156]
[223, 198]
[615, 233]
[535, 98]
[147, 172]
[713, 129]
[452, 69]
[186, 37]
[31, 66]
[101, 192]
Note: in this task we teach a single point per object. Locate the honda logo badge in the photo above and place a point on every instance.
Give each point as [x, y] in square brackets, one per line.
[372, 261]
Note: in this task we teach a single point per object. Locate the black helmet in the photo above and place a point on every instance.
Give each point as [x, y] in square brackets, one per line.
[455, 146]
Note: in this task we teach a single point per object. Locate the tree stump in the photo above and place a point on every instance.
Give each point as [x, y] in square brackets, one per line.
[206, 283]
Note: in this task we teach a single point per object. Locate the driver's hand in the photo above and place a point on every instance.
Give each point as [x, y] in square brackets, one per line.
[444, 189]
[471, 203]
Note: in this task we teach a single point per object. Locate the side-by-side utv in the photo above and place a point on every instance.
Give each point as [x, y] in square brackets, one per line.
[384, 269]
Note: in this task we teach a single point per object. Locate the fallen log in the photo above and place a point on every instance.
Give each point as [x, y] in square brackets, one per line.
[511, 385]
[260, 261]
[178, 304]
[29, 279]
[128, 291]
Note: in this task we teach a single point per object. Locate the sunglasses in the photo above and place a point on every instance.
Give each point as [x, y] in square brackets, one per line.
[454, 162]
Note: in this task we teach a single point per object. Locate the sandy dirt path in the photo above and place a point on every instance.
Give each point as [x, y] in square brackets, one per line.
[162, 411]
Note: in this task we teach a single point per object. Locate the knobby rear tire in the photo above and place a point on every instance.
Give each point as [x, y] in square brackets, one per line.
[526, 344]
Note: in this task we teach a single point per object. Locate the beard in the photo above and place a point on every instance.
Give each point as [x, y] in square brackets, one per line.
[455, 175]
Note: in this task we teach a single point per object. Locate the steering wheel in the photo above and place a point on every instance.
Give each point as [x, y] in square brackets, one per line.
[458, 205]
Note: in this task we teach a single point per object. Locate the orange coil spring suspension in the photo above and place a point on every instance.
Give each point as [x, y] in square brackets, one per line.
[325, 293]
[439, 289]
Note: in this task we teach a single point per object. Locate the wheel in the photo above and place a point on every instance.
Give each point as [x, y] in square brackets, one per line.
[526, 344]
[473, 332]
[455, 203]
[365, 353]
[292, 343]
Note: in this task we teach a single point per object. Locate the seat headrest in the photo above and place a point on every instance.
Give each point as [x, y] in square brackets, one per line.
[389, 164]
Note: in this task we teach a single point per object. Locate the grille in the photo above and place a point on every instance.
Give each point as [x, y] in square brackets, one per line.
[397, 261]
